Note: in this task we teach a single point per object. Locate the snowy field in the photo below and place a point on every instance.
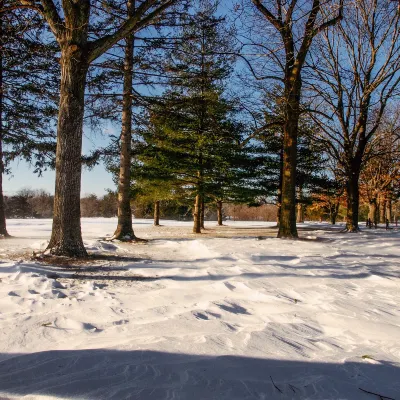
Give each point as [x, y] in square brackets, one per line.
[222, 315]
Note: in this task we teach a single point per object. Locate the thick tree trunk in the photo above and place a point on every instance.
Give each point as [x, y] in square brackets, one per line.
[353, 202]
[196, 215]
[157, 213]
[219, 212]
[3, 226]
[202, 214]
[124, 229]
[300, 206]
[66, 237]
[287, 220]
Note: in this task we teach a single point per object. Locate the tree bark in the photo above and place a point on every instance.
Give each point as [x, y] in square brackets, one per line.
[66, 237]
[202, 213]
[382, 209]
[124, 229]
[219, 212]
[287, 220]
[157, 213]
[353, 202]
[196, 215]
[389, 210]
[373, 210]
[300, 206]
[3, 225]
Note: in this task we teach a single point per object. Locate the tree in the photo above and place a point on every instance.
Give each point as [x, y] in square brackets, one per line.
[73, 29]
[191, 136]
[356, 73]
[28, 94]
[296, 26]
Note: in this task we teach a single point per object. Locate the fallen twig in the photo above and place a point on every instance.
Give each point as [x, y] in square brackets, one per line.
[276, 387]
[381, 396]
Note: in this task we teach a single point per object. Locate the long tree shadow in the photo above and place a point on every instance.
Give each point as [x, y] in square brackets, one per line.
[151, 375]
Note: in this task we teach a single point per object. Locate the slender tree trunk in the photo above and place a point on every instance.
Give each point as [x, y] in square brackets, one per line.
[3, 226]
[300, 206]
[279, 197]
[373, 210]
[202, 213]
[219, 212]
[287, 220]
[157, 213]
[124, 229]
[389, 209]
[353, 202]
[66, 237]
[382, 209]
[196, 215]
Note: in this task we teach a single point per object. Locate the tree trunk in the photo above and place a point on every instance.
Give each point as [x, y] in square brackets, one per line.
[373, 210]
[124, 229]
[353, 201]
[202, 213]
[3, 226]
[300, 206]
[382, 209]
[279, 196]
[66, 237]
[333, 212]
[157, 213]
[389, 209]
[219, 212]
[196, 215]
[287, 220]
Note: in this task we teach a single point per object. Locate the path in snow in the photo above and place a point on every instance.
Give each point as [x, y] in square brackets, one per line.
[187, 317]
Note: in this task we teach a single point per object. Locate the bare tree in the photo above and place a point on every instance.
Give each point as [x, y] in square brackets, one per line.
[295, 24]
[356, 73]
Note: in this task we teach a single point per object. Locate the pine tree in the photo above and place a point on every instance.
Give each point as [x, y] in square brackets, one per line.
[28, 95]
[191, 137]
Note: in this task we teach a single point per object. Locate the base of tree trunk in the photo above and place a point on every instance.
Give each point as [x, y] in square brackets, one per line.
[66, 250]
[353, 229]
[5, 235]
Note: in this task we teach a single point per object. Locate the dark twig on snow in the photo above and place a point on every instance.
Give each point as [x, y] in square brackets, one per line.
[381, 396]
[276, 387]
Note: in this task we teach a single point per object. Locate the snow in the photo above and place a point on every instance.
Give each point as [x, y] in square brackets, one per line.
[223, 315]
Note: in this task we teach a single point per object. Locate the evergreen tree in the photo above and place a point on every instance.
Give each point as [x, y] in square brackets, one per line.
[191, 137]
[28, 94]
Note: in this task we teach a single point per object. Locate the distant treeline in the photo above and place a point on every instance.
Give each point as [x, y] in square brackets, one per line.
[28, 203]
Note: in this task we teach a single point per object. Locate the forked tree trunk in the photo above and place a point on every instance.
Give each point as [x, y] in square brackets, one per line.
[202, 214]
[287, 220]
[3, 226]
[157, 213]
[353, 202]
[219, 212]
[66, 237]
[196, 215]
[124, 229]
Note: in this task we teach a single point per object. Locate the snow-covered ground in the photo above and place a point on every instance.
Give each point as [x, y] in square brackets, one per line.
[224, 315]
